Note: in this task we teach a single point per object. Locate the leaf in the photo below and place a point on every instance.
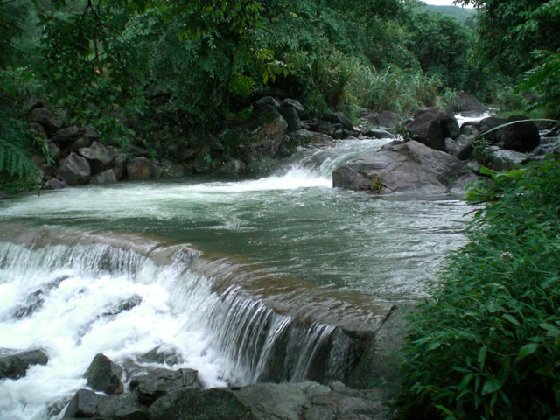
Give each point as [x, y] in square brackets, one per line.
[491, 386]
[482, 356]
[511, 319]
[526, 351]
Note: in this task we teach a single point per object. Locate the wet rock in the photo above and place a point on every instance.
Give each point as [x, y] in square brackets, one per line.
[292, 103]
[119, 166]
[461, 148]
[152, 383]
[123, 306]
[54, 184]
[292, 118]
[210, 404]
[431, 126]
[172, 170]
[521, 136]
[487, 128]
[387, 119]
[233, 167]
[3, 195]
[104, 375]
[66, 135]
[139, 169]
[87, 403]
[378, 133]
[99, 155]
[312, 138]
[339, 118]
[504, 160]
[74, 170]
[80, 143]
[14, 365]
[104, 178]
[53, 150]
[466, 102]
[161, 356]
[91, 134]
[45, 117]
[33, 302]
[411, 168]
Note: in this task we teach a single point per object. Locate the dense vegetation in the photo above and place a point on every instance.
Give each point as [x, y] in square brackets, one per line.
[141, 69]
[488, 342]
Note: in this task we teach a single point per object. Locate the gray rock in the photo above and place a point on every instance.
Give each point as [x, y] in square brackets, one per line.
[195, 404]
[339, 118]
[87, 403]
[467, 102]
[161, 356]
[80, 143]
[119, 166]
[504, 160]
[104, 178]
[139, 169]
[152, 383]
[233, 167]
[292, 103]
[74, 170]
[66, 135]
[172, 170]
[487, 126]
[54, 184]
[98, 154]
[378, 133]
[14, 365]
[461, 148]
[387, 119]
[292, 118]
[312, 138]
[44, 117]
[522, 136]
[411, 168]
[91, 133]
[104, 375]
[431, 126]
[53, 150]
[3, 195]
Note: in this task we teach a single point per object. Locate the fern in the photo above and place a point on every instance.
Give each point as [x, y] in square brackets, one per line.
[17, 170]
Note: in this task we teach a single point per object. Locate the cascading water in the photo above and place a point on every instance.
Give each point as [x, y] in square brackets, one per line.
[304, 263]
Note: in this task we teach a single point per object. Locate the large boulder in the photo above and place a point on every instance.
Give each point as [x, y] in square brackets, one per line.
[14, 365]
[387, 119]
[487, 128]
[104, 375]
[339, 118]
[291, 116]
[66, 135]
[410, 168]
[312, 138]
[99, 155]
[88, 404]
[54, 184]
[504, 160]
[45, 117]
[467, 103]
[153, 383]
[74, 170]
[292, 103]
[519, 134]
[431, 126]
[461, 148]
[104, 178]
[139, 169]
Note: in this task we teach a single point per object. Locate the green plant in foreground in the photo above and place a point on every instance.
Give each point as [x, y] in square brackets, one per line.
[487, 342]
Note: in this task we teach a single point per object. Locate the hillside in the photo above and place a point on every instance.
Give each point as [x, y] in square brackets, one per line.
[464, 15]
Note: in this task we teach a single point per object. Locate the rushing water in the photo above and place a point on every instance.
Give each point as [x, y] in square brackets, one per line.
[295, 239]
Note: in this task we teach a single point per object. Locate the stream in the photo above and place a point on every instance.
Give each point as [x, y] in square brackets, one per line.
[218, 271]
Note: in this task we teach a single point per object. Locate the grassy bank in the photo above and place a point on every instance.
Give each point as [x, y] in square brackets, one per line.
[487, 344]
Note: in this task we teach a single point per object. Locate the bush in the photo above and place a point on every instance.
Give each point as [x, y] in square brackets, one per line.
[487, 343]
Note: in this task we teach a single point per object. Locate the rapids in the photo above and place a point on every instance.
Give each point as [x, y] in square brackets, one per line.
[220, 271]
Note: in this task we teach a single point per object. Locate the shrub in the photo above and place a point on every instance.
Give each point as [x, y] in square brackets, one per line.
[487, 342]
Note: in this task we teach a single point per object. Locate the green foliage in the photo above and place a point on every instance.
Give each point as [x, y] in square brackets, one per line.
[544, 81]
[441, 45]
[487, 342]
[17, 171]
[462, 14]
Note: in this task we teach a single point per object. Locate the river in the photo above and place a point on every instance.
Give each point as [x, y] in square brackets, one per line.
[70, 259]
